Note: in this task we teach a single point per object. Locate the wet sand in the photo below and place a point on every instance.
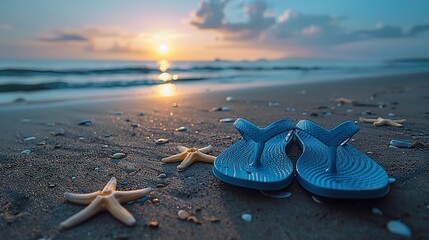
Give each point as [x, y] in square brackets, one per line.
[73, 160]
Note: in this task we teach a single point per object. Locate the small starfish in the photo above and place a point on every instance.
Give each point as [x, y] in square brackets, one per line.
[383, 121]
[189, 156]
[108, 199]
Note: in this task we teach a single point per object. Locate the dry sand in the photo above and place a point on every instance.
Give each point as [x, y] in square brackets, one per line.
[32, 186]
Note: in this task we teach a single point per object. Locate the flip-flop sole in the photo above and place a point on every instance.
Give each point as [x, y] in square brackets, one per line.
[276, 172]
[358, 176]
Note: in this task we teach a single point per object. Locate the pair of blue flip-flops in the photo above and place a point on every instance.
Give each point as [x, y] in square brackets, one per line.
[329, 166]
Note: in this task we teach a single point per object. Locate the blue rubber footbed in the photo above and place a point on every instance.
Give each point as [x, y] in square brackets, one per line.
[275, 173]
[357, 177]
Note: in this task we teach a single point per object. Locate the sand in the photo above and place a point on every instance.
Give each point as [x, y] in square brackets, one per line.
[73, 160]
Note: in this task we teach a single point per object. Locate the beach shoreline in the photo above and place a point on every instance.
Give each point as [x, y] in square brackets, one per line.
[67, 157]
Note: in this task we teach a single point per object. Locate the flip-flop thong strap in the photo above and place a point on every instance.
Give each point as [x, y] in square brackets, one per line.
[250, 131]
[333, 137]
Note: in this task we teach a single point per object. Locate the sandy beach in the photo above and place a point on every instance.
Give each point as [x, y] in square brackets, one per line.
[67, 157]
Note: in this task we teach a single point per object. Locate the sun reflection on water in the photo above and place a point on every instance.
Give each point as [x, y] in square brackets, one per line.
[166, 90]
[165, 76]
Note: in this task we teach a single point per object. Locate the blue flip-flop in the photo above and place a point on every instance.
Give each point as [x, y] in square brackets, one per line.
[330, 167]
[258, 160]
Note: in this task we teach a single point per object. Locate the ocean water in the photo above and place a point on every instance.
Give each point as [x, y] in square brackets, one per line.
[50, 80]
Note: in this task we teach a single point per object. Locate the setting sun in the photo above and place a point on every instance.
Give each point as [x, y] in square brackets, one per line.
[163, 48]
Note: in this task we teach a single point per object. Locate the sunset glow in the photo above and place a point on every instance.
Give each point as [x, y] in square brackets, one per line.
[166, 90]
[163, 48]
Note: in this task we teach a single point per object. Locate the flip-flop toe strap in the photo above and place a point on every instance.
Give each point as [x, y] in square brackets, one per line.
[331, 138]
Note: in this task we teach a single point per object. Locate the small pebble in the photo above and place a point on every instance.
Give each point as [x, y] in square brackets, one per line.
[118, 155]
[174, 104]
[25, 120]
[273, 104]
[29, 139]
[214, 220]
[50, 124]
[327, 113]
[229, 99]
[401, 144]
[41, 143]
[161, 185]
[106, 135]
[399, 228]
[81, 138]
[26, 152]
[220, 109]
[349, 110]
[141, 114]
[73, 178]
[391, 114]
[60, 132]
[276, 194]
[377, 211]
[162, 175]
[392, 180]
[86, 122]
[153, 224]
[181, 129]
[104, 146]
[135, 125]
[162, 141]
[155, 200]
[290, 109]
[51, 185]
[226, 120]
[247, 217]
[313, 114]
[183, 214]
[57, 145]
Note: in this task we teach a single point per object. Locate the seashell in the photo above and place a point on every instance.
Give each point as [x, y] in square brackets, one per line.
[229, 99]
[226, 120]
[183, 214]
[194, 220]
[86, 122]
[392, 180]
[26, 152]
[153, 224]
[29, 138]
[162, 141]
[401, 144]
[247, 217]
[155, 200]
[276, 194]
[118, 155]
[377, 211]
[162, 175]
[399, 228]
[273, 104]
[316, 199]
[181, 129]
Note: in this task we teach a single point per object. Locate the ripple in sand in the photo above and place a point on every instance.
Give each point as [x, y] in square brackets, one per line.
[399, 228]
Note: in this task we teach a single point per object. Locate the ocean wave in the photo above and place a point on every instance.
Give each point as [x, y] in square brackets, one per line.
[30, 72]
[16, 87]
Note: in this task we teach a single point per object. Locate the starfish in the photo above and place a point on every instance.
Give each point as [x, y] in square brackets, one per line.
[189, 156]
[383, 121]
[107, 199]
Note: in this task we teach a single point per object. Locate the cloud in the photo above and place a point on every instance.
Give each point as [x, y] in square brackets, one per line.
[65, 37]
[291, 26]
[211, 15]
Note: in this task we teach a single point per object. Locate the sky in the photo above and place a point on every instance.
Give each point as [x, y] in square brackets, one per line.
[209, 29]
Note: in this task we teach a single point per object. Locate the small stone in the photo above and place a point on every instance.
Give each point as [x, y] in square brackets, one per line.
[86, 122]
[377, 211]
[104, 146]
[141, 114]
[181, 129]
[26, 152]
[162, 141]
[106, 135]
[73, 178]
[226, 120]
[391, 114]
[60, 132]
[41, 143]
[401, 144]
[162, 175]
[313, 114]
[155, 200]
[118, 155]
[349, 110]
[194, 220]
[220, 109]
[51, 185]
[153, 224]
[327, 113]
[392, 180]
[399, 228]
[247, 217]
[57, 145]
[290, 109]
[135, 125]
[183, 214]
[50, 124]
[29, 139]
[174, 104]
[25, 120]
[161, 185]
[81, 138]
[214, 220]
[229, 99]
[273, 104]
